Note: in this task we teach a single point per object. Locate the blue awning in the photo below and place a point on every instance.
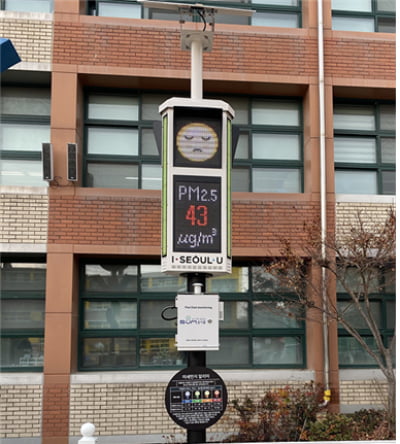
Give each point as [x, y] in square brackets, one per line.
[8, 54]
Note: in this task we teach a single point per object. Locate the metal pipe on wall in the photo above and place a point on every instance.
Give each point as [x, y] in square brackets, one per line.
[322, 147]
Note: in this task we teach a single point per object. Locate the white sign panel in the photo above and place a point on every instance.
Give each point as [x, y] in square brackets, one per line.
[198, 322]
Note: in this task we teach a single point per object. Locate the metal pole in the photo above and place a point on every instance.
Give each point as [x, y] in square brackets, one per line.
[322, 136]
[196, 84]
[196, 283]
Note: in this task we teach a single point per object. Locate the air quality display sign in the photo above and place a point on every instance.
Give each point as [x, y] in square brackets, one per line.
[196, 186]
[196, 398]
[197, 214]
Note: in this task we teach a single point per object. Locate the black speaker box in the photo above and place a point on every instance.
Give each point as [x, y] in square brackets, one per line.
[47, 161]
[72, 153]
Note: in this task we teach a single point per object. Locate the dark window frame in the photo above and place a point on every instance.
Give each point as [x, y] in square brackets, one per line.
[139, 333]
[92, 9]
[375, 14]
[382, 298]
[23, 295]
[379, 166]
[249, 164]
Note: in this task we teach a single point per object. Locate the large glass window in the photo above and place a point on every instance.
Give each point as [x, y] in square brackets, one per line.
[27, 5]
[365, 150]
[269, 154]
[22, 315]
[121, 149]
[364, 15]
[25, 125]
[121, 326]
[278, 13]
[380, 305]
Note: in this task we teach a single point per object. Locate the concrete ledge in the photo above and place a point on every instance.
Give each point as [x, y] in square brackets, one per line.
[165, 376]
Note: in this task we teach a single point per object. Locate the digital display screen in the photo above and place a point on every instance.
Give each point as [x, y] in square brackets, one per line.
[197, 214]
[197, 137]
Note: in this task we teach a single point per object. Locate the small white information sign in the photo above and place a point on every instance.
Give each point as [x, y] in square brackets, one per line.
[198, 322]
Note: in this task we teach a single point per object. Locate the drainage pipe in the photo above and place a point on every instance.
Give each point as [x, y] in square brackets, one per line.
[322, 148]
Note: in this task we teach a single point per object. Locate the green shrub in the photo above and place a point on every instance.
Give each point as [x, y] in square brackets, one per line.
[358, 426]
[333, 427]
[290, 414]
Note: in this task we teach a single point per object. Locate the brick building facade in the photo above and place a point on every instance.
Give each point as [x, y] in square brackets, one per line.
[64, 237]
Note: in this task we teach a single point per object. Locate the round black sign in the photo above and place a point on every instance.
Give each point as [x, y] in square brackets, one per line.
[196, 398]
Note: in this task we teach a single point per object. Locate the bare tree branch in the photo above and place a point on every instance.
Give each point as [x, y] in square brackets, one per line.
[361, 263]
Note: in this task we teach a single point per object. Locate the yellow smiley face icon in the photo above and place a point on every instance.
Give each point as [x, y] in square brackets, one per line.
[197, 142]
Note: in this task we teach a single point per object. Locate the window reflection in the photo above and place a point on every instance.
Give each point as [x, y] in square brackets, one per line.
[109, 315]
[277, 350]
[155, 352]
[109, 353]
[111, 277]
[22, 352]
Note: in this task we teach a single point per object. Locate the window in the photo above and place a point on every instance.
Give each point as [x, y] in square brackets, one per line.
[122, 328]
[121, 150]
[365, 148]
[280, 13]
[364, 15]
[25, 125]
[381, 306]
[27, 5]
[266, 124]
[22, 315]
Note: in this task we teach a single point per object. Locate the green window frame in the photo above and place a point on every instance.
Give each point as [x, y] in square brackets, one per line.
[27, 5]
[264, 123]
[364, 15]
[120, 148]
[121, 326]
[22, 295]
[279, 13]
[382, 303]
[365, 147]
[25, 125]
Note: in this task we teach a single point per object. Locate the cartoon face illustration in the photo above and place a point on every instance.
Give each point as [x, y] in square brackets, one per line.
[197, 142]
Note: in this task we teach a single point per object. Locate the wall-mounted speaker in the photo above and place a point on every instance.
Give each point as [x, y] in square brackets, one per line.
[47, 161]
[72, 162]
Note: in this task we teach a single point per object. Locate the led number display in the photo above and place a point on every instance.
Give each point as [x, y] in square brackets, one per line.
[197, 214]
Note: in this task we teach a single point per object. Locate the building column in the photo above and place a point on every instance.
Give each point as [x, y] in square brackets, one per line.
[60, 346]
[61, 322]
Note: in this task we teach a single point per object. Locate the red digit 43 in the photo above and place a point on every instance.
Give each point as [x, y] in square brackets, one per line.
[197, 215]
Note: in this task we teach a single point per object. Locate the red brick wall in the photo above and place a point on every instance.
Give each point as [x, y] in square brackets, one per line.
[360, 58]
[290, 53]
[102, 220]
[264, 224]
[55, 410]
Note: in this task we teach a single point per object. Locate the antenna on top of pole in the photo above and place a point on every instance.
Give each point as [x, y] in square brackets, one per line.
[197, 41]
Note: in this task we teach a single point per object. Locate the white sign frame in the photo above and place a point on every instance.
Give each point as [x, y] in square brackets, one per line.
[178, 262]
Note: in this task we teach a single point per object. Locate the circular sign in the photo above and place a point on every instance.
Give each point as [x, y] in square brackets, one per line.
[197, 142]
[196, 398]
